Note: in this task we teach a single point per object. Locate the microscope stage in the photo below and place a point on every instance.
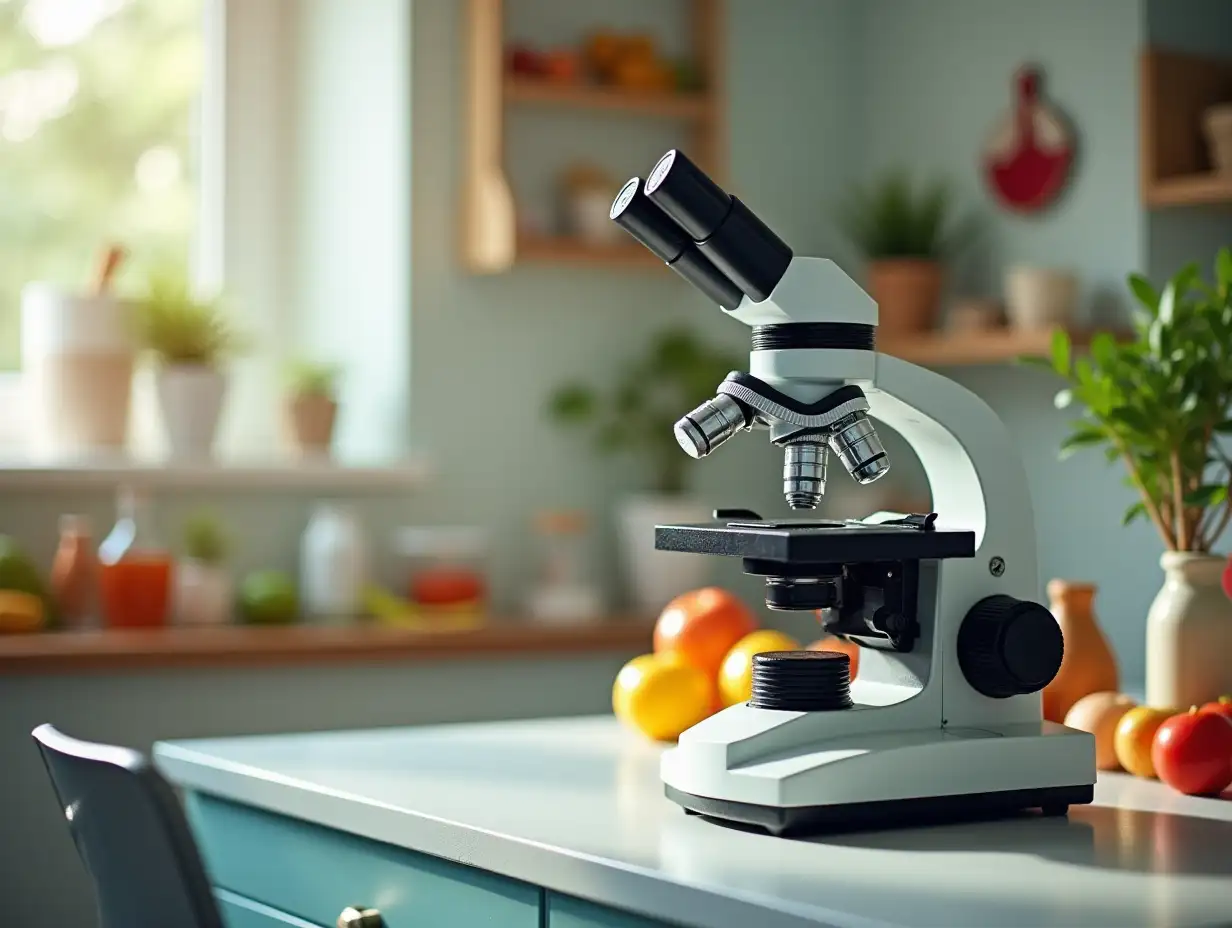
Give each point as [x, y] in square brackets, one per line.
[814, 541]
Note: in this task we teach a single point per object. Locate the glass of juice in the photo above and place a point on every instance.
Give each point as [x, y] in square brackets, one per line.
[135, 569]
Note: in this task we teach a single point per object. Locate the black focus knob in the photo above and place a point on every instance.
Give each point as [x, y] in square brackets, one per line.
[1009, 647]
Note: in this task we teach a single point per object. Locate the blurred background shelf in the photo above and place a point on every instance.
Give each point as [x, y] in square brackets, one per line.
[607, 99]
[566, 250]
[995, 346]
[1194, 190]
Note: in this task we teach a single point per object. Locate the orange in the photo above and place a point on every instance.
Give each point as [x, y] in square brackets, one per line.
[850, 648]
[661, 696]
[1134, 737]
[736, 674]
[702, 626]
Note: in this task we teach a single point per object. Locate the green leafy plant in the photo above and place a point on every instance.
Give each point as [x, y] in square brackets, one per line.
[204, 539]
[312, 378]
[179, 328]
[889, 218]
[677, 373]
[1160, 401]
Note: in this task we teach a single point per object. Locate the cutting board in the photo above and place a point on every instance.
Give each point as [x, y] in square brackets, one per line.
[1029, 155]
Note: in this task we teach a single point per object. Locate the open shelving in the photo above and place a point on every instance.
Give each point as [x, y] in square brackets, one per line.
[993, 346]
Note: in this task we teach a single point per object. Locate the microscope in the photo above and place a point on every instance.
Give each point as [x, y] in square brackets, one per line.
[944, 719]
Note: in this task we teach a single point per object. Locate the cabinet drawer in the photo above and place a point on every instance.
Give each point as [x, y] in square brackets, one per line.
[313, 873]
[568, 912]
[238, 912]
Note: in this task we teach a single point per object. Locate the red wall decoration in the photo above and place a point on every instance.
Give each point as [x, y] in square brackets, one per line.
[1028, 158]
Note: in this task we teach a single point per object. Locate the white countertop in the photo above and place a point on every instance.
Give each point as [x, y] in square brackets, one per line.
[576, 806]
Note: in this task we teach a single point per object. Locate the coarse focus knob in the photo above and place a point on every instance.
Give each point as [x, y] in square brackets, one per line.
[1009, 647]
[360, 916]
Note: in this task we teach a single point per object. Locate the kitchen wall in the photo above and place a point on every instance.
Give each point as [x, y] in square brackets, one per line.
[937, 76]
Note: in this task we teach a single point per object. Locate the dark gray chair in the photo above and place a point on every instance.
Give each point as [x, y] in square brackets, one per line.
[131, 833]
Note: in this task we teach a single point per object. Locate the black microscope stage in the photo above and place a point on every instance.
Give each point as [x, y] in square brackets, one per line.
[816, 541]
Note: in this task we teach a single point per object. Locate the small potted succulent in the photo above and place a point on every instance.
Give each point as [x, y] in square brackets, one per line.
[636, 416]
[190, 339]
[1160, 404]
[203, 582]
[312, 406]
[907, 236]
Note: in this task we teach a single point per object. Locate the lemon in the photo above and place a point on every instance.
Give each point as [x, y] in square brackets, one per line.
[736, 672]
[661, 696]
[20, 612]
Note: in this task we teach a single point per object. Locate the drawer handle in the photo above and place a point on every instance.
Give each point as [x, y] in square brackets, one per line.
[358, 916]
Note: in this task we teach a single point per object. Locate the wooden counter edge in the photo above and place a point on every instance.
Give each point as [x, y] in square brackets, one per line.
[246, 646]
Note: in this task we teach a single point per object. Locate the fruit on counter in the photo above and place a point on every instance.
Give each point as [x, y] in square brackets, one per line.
[18, 573]
[1226, 578]
[1135, 734]
[20, 612]
[525, 61]
[1221, 706]
[1099, 714]
[736, 674]
[660, 695]
[631, 62]
[268, 597]
[443, 585]
[702, 626]
[843, 646]
[1192, 753]
[561, 66]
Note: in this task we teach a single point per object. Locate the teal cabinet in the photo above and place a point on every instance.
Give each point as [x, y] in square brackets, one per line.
[568, 912]
[313, 873]
[238, 912]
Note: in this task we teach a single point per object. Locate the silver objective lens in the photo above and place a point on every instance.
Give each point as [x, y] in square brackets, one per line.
[855, 442]
[804, 474]
[709, 425]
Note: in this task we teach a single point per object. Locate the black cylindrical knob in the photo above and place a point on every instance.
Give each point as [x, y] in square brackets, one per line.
[688, 195]
[1009, 647]
[801, 681]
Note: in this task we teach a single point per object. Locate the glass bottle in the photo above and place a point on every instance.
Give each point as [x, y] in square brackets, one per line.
[134, 567]
[74, 574]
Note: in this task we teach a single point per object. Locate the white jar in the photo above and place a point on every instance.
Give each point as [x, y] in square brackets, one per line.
[77, 357]
[1040, 298]
[333, 565]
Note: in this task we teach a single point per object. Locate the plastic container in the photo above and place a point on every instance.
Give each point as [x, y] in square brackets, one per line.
[563, 594]
[333, 565]
[446, 569]
[135, 569]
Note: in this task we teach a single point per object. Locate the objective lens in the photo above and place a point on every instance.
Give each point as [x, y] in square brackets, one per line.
[855, 442]
[709, 425]
[804, 474]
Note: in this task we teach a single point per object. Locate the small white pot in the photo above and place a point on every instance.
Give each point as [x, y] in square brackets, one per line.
[1040, 298]
[204, 593]
[190, 398]
[1189, 634]
[655, 577]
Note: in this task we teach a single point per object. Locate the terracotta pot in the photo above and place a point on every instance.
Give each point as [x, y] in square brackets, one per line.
[311, 420]
[1088, 665]
[1189, 633]
[908, 294]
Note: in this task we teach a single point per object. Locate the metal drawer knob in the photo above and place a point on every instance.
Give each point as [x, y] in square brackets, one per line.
[358, 916]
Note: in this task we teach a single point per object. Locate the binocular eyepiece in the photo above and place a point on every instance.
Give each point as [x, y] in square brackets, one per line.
[703, 233]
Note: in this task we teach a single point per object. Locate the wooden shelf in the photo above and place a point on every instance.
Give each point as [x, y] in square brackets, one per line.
[564, 250]
[582, 96]
[1175, 90]
[1195, 190]
[996, 346]
[248, 646]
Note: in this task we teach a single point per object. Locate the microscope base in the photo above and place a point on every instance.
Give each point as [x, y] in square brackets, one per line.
[890, 813]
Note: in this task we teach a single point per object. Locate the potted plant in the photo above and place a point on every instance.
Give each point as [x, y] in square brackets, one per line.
[1158, 403]
[204, 587]
[636, 416]
[312, 405]
[190, 339]
[906, 236]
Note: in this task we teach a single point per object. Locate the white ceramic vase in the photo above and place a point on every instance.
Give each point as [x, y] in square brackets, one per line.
[1039, 298]
[204, 593]
[655, 577]
[1189, 633]
[190, 398]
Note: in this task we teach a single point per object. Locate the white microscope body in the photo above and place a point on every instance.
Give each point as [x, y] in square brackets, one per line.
[921, 732]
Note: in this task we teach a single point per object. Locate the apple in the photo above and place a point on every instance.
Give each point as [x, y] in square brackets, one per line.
[1192, 753]
[1134, 736]
[1222, 706]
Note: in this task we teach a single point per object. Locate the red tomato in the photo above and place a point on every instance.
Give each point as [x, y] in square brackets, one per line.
[1222, 706]
[446, 586]
[1192, 753]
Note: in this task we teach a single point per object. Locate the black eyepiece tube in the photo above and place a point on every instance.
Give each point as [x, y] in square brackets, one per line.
[634, 213]
[726, 231]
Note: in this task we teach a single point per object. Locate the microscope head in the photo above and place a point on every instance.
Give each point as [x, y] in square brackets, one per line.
[813, 335]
